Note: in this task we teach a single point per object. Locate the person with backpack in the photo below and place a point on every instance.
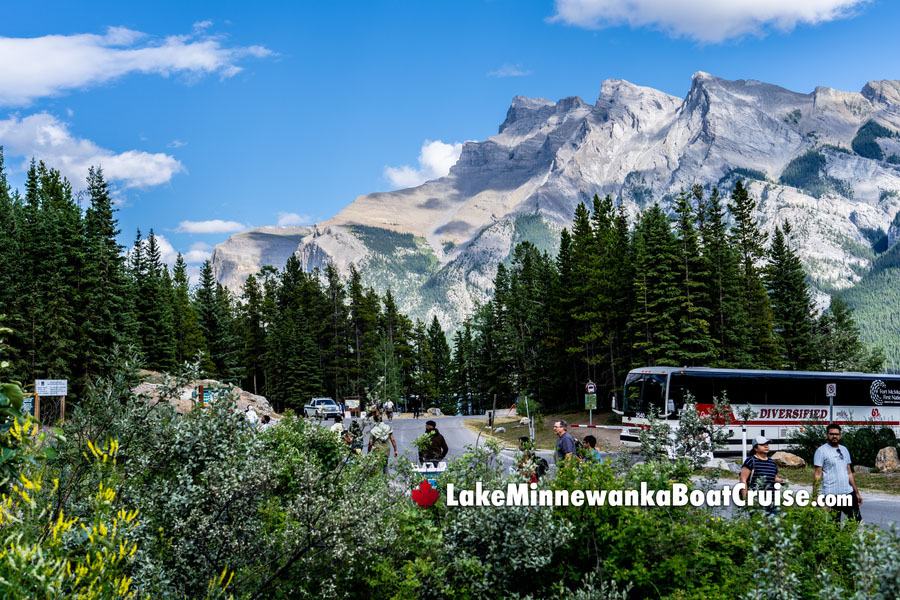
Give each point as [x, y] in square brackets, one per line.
[565, 444]
[381, 438]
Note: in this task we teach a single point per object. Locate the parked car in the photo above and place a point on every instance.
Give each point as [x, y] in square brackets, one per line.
[322, 408]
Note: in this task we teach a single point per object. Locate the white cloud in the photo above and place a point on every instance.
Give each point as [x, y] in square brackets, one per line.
[32, 68]
[211, 226]
[286, 218]
[509, 71]
[177, 144]
[704, 20]
[46, 138]
[198, 253]
[435, 161]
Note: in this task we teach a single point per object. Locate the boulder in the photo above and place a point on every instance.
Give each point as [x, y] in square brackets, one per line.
[434, 411]
[523, 421]
[788, 460]
[887, 460]
[861, 469]
[734, 467]
[717, 463]
[500, 430]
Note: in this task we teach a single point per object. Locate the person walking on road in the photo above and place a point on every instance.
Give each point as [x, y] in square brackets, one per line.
[381, 438]
[436, 449]
[759, 472]
[565, 444]
[389, 410]
[416, 405]
[832, 462]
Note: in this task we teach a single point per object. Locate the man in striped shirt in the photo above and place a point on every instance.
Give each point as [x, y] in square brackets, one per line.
[832, 462]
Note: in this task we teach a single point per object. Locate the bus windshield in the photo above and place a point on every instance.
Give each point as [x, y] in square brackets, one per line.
[643, 391]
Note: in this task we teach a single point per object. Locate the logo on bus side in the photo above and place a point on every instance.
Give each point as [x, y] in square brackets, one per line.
[881, 394]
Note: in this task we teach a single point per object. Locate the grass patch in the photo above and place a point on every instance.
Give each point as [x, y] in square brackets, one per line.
[544, 438]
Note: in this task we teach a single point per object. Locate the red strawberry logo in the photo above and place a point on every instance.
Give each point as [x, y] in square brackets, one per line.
[425, 495]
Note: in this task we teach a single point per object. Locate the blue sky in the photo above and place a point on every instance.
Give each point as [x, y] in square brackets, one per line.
[211, 117]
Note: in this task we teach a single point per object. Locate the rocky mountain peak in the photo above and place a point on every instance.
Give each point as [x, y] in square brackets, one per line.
[437, 246]
[884, 91]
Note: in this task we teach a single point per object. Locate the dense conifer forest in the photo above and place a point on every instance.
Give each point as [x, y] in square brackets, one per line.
[684, 288]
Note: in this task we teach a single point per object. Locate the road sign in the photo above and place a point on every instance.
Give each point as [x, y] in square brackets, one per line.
[590, 388]
[831, 390]
[51, 387]
[590, 402]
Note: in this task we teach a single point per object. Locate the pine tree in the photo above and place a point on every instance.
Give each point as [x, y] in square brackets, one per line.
[654, 321]
[749, 243]
[792, 306]
[189, 340]
[104, 307]
[837, 338]
[13, 283]
[253, 334]
[214, 321]
[337, 345]
[441, 367]
[696, 347]
[729, 326]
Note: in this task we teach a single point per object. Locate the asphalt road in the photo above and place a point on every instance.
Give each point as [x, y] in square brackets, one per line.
[877, 509]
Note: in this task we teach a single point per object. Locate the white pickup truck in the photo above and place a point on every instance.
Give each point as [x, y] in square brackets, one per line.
[322, 408]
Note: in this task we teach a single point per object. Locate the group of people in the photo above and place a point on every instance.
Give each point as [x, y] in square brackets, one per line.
[381, 438]
[833, 474]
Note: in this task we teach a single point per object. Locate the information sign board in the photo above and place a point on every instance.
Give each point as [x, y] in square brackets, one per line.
[590, 402]
[51, 387]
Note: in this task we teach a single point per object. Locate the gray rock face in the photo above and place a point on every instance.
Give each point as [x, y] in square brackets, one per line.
[437, 246]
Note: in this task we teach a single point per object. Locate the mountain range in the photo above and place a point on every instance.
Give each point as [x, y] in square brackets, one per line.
[827, 161]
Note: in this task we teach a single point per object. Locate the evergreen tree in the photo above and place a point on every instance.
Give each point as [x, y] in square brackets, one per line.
[792, 306]
[837, 339]
[214, 321]
[654, 321]
[13, 282]
[253, 334]
[729, 325]
[189, 340]
[154, 309]
[441, 367]
[106, 314]
[696, 346]
[337, 345]
[749, 243]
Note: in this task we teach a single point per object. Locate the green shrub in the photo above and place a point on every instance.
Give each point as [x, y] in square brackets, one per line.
[863, 442]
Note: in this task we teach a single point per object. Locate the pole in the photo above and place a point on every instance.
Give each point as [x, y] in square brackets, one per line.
[831, 409]
[591, 416]
[744, 442]
[37, 407]
[62, 409]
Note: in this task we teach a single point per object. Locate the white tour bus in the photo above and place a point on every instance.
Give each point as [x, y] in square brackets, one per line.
[783, 400]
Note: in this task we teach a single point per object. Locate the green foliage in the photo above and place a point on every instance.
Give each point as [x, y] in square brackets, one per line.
[807, 172]
[863, 441]
[865, 143]
[742, 173]
[383, 241]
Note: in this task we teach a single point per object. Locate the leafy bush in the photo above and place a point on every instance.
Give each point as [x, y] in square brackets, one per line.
[863, 442]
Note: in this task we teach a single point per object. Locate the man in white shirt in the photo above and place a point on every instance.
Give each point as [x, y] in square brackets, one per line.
[832, 462]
